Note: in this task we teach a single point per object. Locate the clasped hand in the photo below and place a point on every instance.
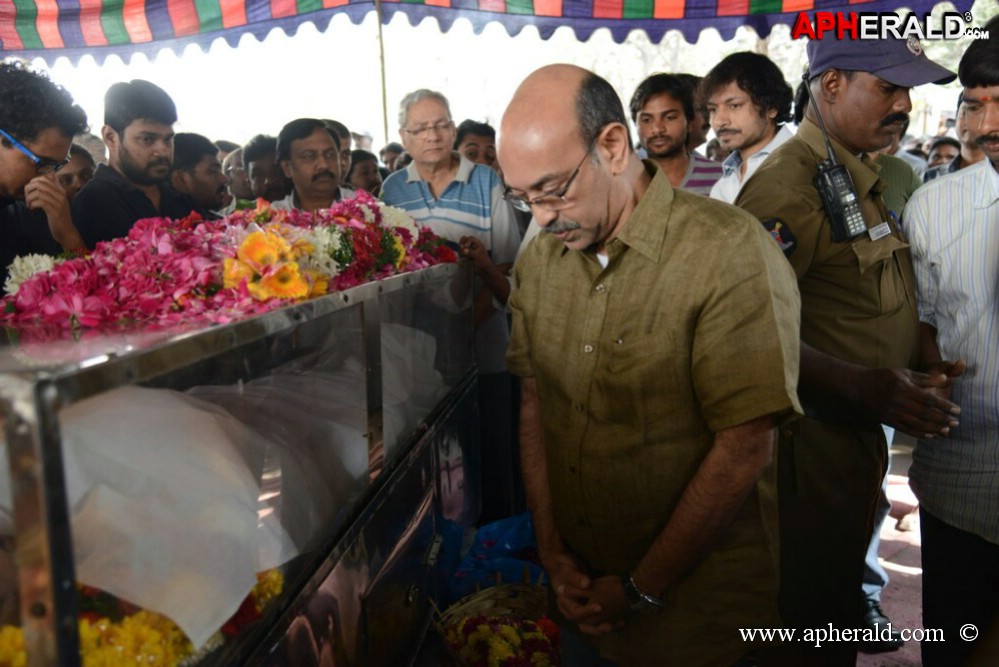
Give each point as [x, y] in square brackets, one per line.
[597, 606]
[913, 402]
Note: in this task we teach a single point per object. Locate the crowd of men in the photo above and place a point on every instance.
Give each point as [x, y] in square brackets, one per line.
[710, 356]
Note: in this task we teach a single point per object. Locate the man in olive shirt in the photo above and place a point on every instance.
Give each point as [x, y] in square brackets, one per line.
[655, 333]
[858, 330]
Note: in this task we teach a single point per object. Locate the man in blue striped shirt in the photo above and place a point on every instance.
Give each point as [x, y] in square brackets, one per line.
[953, 226]
[463, 202]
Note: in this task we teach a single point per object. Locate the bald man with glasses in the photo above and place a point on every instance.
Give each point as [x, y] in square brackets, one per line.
[655, 335]
[38, 120]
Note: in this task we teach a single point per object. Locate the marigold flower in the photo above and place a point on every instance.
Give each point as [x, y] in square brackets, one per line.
[234, 271]
[261, 249]
[285, 282]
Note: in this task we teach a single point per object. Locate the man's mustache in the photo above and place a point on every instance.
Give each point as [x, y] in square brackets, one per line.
[894, 118]
[987, 138]
[323, 174]
[559, 227]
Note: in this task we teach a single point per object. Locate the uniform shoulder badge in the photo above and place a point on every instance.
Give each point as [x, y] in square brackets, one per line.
[782, 235]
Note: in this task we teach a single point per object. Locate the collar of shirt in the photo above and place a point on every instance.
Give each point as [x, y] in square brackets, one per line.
[644, 230]
[341, 194]
[167, 191]
[863, 169]
[465, 167]
[988, 185]
[732, 163]
[110, 174]
[729, 166]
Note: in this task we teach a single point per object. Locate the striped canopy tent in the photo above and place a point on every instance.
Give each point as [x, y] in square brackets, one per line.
[73, 28]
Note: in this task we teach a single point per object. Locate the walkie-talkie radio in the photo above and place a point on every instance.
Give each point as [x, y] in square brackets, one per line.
[835, 186]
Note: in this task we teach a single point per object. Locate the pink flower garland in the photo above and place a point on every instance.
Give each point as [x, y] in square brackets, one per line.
[167, 272]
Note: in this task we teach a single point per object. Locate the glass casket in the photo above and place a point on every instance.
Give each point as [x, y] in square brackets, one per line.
[284, 490]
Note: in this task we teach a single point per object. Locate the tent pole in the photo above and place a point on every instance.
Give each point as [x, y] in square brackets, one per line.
[381, 59]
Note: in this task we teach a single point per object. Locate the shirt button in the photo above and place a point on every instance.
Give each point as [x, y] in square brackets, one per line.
[572, 470]
[600, 288]
[587, 348]
[577, 407]
[619, 341]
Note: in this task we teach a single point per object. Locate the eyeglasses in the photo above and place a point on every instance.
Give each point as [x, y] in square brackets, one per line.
[312, 156]
[550, 201]
[43, 165]
[439, 126]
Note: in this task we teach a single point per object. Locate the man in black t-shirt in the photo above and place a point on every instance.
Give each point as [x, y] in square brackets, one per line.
[138, 131]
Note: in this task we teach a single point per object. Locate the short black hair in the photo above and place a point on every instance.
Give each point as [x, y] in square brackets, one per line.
[357, 157]
[339, 131]
[76, 150]
[391, 147]
[758, 76]
[939, 141]
[300, 128]
[661, 83]
[227, 146]
[470, 126]
[189, 149]
[597, 106]
[800, 102]
[980, 63]
[258, 147]
[125, 103]
[31, 103]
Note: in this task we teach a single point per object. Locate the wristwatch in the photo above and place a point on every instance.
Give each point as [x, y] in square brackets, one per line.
[640, 602]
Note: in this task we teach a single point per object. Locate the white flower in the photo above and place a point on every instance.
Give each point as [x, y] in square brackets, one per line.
[396, 217]
[324, 240]
[24, 267]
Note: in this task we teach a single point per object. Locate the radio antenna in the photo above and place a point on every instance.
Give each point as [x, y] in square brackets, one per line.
[822, 126]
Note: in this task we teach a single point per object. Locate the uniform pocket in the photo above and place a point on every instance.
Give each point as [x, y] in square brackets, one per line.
[877, 262]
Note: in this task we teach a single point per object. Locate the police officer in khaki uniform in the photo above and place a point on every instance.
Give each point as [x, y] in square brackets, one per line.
[858, 329]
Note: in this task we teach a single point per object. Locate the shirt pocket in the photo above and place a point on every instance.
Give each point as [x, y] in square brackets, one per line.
[646, 380]
[880, 272]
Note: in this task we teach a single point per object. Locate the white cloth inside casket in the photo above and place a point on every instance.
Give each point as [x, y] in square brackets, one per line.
[166, 503]
[315, 425]
[165, 507]
[411, 385]
[316, 420]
